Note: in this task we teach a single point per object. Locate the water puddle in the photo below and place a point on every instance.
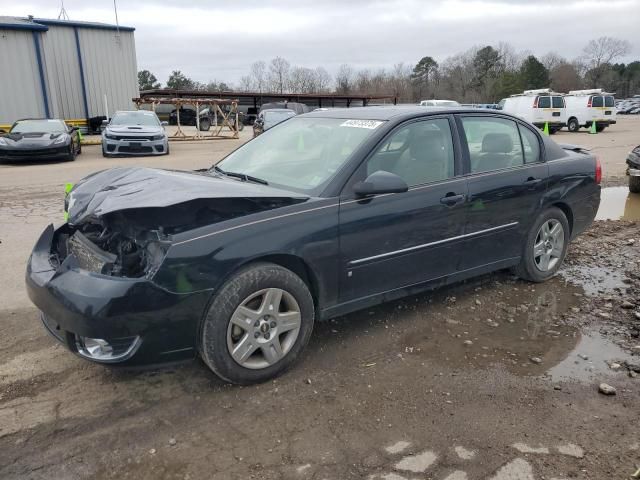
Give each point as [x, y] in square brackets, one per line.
[517, 325]
[595, 279]
[617, 203]
[591, 358]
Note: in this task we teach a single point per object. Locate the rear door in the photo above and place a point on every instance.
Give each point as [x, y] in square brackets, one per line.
[507, 179]
[388, 242]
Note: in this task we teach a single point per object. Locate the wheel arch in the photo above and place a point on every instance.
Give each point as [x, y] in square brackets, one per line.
[566, 209]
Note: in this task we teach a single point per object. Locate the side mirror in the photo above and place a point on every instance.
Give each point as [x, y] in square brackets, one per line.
[2, 130]
[164, 123]
[74, 129]
[380, 182]
[105, 123]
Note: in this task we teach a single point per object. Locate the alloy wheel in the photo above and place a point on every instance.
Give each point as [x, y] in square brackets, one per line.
[264, 328]
[549, 245]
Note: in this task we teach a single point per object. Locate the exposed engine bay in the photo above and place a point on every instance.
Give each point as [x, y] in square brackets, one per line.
[132, 243]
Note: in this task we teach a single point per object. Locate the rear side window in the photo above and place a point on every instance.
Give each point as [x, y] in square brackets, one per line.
[609, 101]
[531, 145]
[558, 102]
[544, 102]
[597, 102]
[494, 143]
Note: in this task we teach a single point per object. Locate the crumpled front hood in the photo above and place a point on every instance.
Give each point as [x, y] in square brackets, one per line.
[138, 187]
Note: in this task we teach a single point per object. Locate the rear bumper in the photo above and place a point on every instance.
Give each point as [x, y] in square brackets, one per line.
[77, 303]
[584, 213]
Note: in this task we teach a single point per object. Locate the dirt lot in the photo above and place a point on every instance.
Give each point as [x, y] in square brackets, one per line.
[492, 379]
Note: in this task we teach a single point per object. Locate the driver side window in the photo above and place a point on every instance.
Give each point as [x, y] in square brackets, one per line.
[419, 153]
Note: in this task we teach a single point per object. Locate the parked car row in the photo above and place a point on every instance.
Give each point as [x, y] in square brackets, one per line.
[629, 106]
[207, 118]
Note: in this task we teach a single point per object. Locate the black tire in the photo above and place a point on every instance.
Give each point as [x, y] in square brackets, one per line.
[79, 148]
[167, 152]
[552, 131]
[600, 128]
[527, 268]
[104, 153]
[573, 125]
[249, 280]
[240, 126]
[72, 153]
[634, 184]
[205, 124]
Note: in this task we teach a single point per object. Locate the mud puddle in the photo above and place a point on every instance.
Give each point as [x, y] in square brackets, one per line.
[502, 322]
[617, 203]
[595, 279]
[592, 357]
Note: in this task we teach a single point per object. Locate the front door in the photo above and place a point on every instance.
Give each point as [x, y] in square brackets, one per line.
[507, 180]
[393, 241]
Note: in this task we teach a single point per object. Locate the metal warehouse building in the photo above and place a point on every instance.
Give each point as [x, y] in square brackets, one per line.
[64, 69]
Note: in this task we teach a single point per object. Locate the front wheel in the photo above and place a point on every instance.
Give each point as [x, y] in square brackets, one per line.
[205, 124]
[72, 153]
[545, 246]
[634, 184]
[257, 324]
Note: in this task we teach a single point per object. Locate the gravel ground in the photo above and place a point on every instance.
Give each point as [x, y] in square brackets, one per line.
[492, 379]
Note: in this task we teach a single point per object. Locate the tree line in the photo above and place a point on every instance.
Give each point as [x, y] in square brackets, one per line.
[481, 74]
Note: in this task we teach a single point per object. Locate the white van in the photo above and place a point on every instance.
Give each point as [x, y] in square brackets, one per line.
[539, 107]
[587, 106]
[439, 103]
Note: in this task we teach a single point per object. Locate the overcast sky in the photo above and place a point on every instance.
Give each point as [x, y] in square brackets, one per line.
[219, 39]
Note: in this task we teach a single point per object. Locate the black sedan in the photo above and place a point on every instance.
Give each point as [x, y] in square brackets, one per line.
[40, 139]
[326, 213]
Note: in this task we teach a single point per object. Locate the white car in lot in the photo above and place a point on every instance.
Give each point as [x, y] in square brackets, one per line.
[584, 107]
[137, 132]
[439, 103]
[540, 107]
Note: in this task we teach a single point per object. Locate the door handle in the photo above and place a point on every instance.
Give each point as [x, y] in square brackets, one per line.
[451, 199]
[532, 181]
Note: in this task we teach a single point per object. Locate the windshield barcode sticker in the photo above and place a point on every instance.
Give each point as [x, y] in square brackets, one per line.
[370, 124]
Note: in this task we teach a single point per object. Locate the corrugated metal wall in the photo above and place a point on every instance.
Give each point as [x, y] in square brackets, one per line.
[109, 67]
[63, 72]
[108, 61]
[20, 91]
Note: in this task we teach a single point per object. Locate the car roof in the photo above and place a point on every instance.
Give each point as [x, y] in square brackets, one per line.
[396, 112]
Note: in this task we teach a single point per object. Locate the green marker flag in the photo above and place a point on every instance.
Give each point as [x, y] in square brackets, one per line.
[67, 188]
[546, 129]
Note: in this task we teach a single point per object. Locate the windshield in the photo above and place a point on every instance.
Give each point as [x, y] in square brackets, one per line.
[148, 119]
[39, 126]
[301, 154]
[271, 118]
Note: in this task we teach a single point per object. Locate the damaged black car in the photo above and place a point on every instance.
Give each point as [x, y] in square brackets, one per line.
[327, 213]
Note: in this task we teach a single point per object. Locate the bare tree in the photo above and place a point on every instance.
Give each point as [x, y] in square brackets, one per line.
[246, 83]
[344, 79]
[552, 60]
[565, 77]
[323, 80]
[599, 54]
[303, 80]
[279, 75]
[258, 76]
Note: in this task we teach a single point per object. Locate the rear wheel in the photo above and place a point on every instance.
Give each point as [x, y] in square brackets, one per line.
[600, 128]
[573, 125]
[634, 184]
[553, 130]
[257, 325]
[545, 246]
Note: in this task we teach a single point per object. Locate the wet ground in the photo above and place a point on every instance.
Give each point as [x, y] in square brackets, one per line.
[491, 379]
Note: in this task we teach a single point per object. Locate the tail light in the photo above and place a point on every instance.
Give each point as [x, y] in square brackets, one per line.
[589, 103]
[598, 171]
